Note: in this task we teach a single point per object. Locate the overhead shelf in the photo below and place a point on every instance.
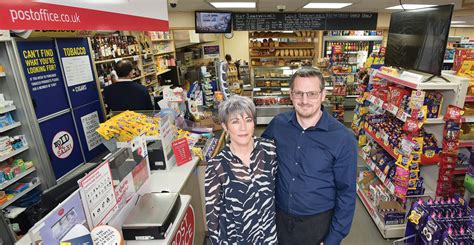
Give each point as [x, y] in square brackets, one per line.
[434, 84]
[161, 40]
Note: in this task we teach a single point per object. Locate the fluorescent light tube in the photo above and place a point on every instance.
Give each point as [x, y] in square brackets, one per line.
[326, 5]
[229, 5]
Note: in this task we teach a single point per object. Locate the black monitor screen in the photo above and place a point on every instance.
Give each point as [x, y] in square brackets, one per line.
[213, 22]
[417, 38]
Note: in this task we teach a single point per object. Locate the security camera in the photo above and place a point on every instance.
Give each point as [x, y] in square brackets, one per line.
[281, 7]
[173, 3]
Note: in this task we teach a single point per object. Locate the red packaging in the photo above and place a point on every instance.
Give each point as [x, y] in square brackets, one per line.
[460, 55]
[453, 113]
[396, 95]
[450, 146]
[411, 126]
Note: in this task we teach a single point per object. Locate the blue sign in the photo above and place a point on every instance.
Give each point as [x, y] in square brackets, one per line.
[87, 119]
[74, 54]
[60, 138]
[43, 76]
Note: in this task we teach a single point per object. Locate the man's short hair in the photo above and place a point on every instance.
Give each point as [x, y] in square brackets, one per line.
[123, 68]
[308, 71]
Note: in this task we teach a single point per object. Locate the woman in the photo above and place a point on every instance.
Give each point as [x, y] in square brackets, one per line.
[240, 181]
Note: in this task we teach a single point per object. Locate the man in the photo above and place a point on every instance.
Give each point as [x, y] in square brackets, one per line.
[126, 94]
[317, 162]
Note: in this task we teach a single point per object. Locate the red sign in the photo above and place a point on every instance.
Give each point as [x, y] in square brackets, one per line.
[84, 15]
[181, 151]
[185, 233]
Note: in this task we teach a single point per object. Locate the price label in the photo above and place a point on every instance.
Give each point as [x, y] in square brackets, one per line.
[380, 103]
[377, 101]
[371, 98]
[382, 177]
[391, 187]
[402, 116]
[392, 109]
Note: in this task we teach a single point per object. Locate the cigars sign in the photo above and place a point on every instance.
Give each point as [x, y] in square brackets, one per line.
[84, 15]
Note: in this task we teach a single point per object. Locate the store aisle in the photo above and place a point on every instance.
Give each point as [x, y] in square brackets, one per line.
[364, 231]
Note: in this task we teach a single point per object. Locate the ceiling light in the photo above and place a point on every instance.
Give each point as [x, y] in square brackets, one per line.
[229, 5]
[326, 5]
[411, 6]
[458, 22]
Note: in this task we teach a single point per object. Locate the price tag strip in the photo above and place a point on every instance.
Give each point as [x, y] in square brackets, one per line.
[383, 178]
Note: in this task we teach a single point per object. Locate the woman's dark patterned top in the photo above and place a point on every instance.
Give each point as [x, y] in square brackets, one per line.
[240, 200]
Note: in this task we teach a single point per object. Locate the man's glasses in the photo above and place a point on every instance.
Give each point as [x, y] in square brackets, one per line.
[309, 95]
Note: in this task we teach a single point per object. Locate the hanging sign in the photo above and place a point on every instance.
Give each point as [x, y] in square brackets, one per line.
[84, 15]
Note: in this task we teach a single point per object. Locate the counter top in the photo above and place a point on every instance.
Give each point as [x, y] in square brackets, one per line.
[185, 200]
[170, 180]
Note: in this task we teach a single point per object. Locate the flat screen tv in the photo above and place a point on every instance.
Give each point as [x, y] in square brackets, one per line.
[213, 22]
[417, 38]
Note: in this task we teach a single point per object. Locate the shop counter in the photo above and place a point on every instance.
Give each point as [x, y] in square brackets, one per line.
[170, 180]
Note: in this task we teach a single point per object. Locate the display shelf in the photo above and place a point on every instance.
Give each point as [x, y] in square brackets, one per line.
[468, 119]
[435, 84]
[382, 177]
[353, 38]
[281, 57]
[150, 73]
[273, 106]
[149, 64]
[344, 74]
[151, 84]
[448, 61]
[387, 231]
[17, 196]
[272, 78]
[162, 72]
[424, 160]
[460, 171]
[401, 115]
[469, 98]
[161, 40]
[137, 78]
[11, 126]
[277, 35]
[283, 88]
[164, 52]
[21, 175]
[285, 47]
[466, 143]
[7, 109]
[13, 153]
[352, 96]
[114, 59]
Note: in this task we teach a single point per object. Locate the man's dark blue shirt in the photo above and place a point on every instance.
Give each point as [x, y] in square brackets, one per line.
[316, 170]
[127, 95]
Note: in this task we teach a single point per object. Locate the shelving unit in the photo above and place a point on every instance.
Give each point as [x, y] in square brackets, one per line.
[448, 62]
[271, 91]
[453, 93]
[22, 111]
[274, 53]
[11, 126]
[150, 59]
[18, 177]
[19, 195]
